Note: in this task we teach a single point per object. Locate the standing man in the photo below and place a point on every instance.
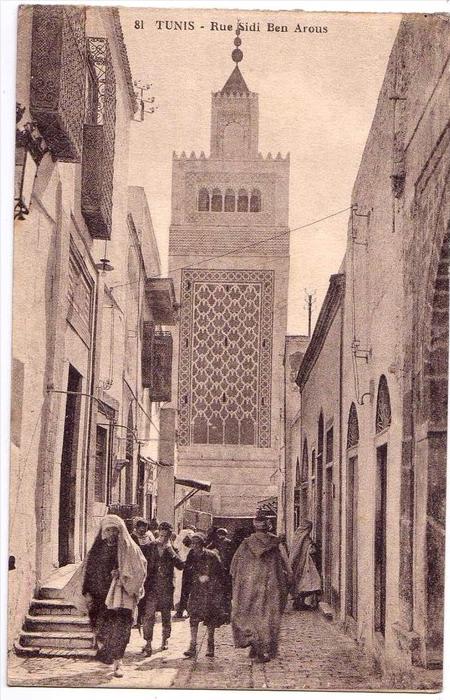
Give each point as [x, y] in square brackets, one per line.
[161, 562]
[261, 578]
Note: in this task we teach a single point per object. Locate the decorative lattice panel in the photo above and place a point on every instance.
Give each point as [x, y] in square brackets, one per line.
[58, 67]
[225, 365]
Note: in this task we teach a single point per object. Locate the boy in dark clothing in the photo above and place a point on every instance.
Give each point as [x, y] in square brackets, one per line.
[162, 559]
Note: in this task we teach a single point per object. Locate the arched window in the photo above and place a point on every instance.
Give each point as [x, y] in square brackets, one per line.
[242, 200]
[230, 201]
[297, 471]
[255, 201]
[383, 416]
[216, 200]
[203, 200]
[353, 428]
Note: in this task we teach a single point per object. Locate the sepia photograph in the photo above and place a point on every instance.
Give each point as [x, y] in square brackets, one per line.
[229, 352]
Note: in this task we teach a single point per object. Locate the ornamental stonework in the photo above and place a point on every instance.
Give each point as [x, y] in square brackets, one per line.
[225, 362]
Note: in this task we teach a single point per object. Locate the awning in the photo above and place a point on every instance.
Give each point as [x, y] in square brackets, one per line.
[194, 484]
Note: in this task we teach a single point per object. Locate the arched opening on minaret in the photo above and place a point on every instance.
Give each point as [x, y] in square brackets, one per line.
[243, 200]
[216, 200]
[255, 201]
[230, 201]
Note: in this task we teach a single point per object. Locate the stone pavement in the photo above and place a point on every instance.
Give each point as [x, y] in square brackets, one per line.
[314, 654]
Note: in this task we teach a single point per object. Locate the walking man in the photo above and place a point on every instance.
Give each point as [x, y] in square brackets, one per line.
[221, 543]
[261, 577]
[203, 583]
[159, 586]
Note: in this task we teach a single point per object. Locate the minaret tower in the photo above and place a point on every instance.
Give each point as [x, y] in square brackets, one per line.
[229, 257]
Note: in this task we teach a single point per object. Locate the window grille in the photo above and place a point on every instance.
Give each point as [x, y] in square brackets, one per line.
[57, 88]
[98, 139]
[383, 416]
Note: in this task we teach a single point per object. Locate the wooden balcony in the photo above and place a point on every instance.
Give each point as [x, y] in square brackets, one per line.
[58, 59]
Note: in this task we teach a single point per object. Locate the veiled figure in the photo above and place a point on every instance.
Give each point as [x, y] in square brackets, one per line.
[108, 585]
[306, 579]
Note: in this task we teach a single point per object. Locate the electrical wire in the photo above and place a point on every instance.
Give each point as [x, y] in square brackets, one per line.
[246, 247]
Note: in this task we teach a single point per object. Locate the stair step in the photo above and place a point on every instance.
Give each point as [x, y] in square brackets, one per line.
[54, 651]
[56, 623]
[64, 640]
[48, 592]
[53, 606]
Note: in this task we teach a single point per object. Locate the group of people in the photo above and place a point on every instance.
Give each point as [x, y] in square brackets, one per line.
[127, 578]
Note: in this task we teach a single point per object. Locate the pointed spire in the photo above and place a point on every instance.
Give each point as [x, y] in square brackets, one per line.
[236, 83]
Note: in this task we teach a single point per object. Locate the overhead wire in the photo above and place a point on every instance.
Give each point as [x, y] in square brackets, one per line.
[246, 247]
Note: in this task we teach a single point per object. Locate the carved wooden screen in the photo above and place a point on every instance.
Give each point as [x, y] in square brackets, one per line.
[383, 415]
[98, 140]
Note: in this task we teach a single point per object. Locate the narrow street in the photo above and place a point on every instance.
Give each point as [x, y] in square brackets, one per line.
[313, 655]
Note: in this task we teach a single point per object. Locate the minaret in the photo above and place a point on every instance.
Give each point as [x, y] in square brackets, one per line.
[229, 258]
[234, 117]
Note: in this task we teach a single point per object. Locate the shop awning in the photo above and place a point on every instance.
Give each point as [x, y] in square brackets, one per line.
[194, 485]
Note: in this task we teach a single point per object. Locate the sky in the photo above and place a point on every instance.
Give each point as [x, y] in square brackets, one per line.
[317, 97]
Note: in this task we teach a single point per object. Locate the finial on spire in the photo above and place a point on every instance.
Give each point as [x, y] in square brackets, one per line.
[237, 54]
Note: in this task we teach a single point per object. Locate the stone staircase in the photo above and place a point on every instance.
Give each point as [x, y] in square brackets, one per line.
[53, 627]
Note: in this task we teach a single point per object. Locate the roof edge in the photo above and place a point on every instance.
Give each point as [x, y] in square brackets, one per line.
[327, 313]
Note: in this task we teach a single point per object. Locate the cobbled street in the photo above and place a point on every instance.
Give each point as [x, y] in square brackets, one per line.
[314, 654]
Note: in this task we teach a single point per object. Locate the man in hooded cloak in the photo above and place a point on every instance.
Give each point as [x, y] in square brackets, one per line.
[261, 577]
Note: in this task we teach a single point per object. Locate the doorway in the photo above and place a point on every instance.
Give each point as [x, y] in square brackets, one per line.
[69, 458]
[380, 540]
[352, 538]
[319, 491]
